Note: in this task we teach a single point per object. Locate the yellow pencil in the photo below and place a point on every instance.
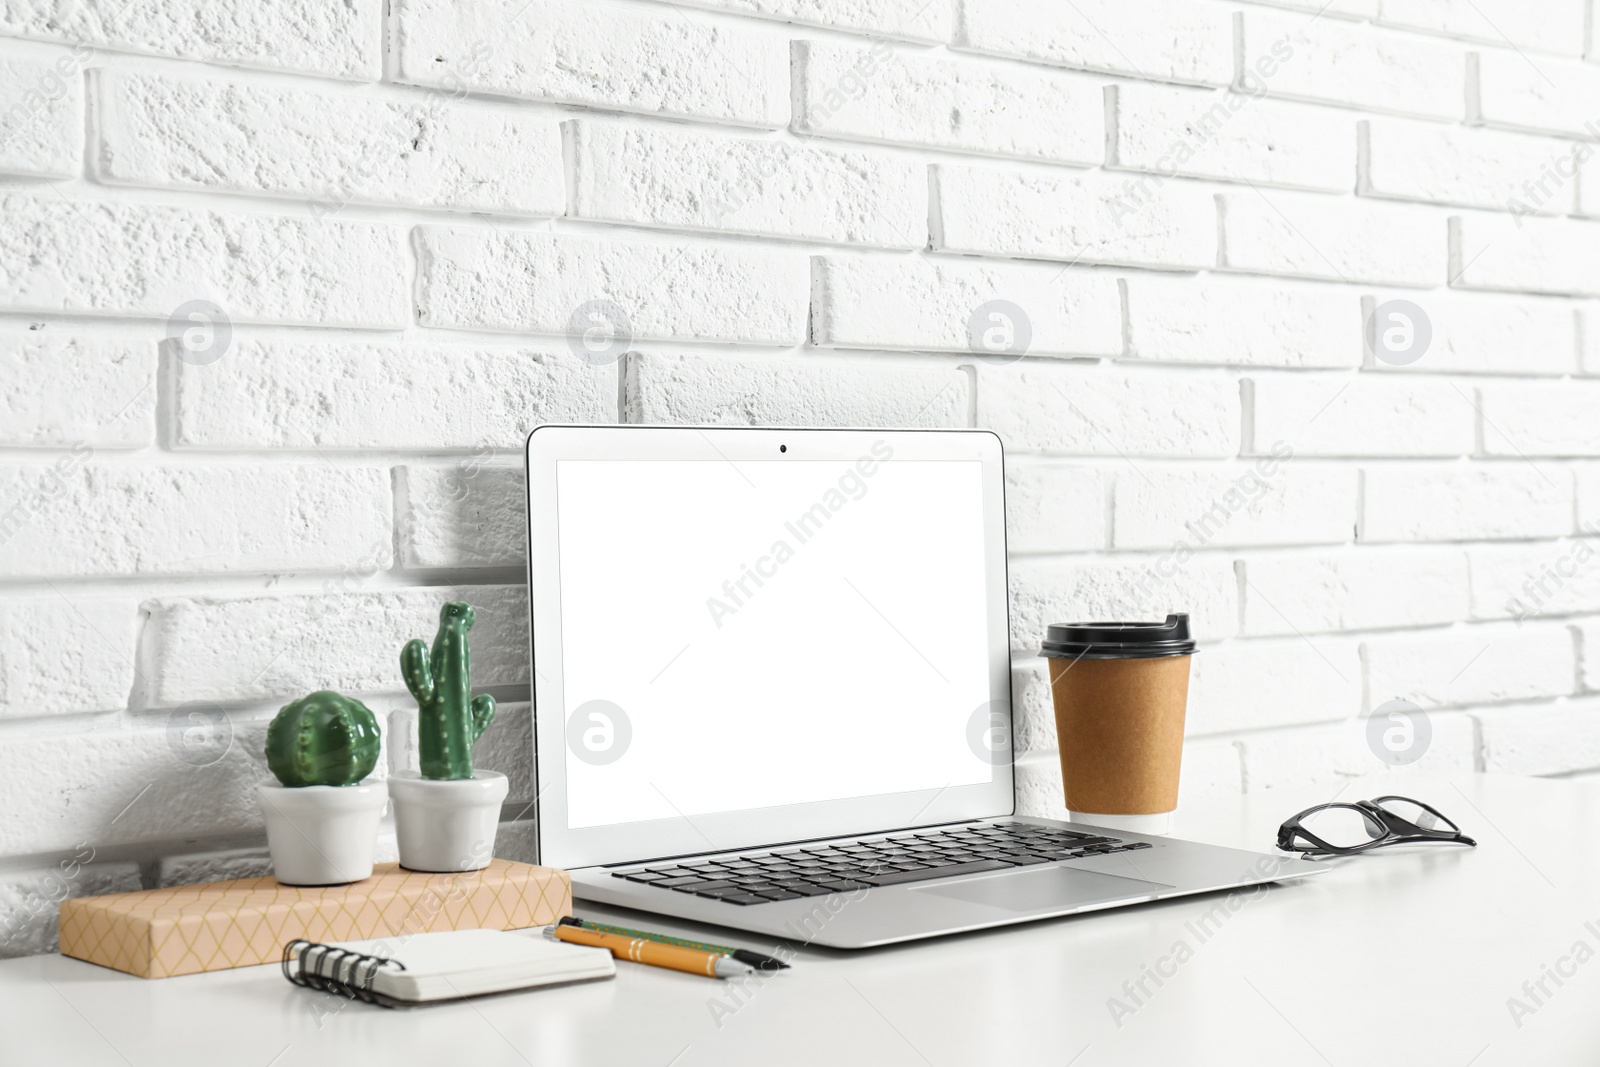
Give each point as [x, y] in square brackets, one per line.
[653, 953]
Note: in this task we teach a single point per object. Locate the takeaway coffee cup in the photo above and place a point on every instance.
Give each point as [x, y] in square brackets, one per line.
[1120, 691]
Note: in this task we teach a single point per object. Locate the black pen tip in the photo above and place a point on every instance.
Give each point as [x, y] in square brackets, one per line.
[758, 961]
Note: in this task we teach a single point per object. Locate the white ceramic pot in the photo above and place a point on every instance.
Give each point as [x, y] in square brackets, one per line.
[447, 825]
[322, 834]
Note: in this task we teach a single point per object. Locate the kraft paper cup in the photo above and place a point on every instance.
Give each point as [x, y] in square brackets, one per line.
[1121, 690]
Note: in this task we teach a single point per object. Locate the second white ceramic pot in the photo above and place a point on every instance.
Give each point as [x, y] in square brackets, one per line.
[322, 834]
[447, 825]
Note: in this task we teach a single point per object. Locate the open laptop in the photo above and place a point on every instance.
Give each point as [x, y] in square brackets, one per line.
[772, 690]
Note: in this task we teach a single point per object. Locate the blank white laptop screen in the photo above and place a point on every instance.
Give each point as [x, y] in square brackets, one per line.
[774, 632]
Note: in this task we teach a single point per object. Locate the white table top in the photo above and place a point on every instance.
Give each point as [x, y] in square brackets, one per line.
[1393, 958]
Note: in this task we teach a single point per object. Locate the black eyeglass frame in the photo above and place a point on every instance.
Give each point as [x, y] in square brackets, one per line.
[1399, 831]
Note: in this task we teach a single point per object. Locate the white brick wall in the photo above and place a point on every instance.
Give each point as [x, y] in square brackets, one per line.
[283, 286]
[332, 147]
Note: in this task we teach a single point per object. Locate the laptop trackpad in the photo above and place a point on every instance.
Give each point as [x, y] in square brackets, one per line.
[1045, 887]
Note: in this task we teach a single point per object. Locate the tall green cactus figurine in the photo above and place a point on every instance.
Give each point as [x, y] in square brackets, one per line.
[450, 719]
[322, 739]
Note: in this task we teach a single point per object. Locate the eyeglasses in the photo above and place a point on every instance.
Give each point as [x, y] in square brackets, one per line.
[1340, 829]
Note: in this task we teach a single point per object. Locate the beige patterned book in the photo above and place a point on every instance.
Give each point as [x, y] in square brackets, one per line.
[157, 933]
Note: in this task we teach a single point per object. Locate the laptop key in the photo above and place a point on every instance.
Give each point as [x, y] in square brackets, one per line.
[842, 886]
[743, 898]
[900, 877]
[778, 894]
[674, 883]
[702, 886]
[723, 891]
[807, 890]
[640, 876]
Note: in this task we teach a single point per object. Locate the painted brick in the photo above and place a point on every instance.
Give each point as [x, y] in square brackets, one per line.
[1353, 589]
[224, 866]
[1052, 507]
[1109, 411]
[1229, 136]
[1587, 479]
[1173, 320]
[334, 147]
[1044, 591]
[76, 518]
[1587, 632]
[1264, 503]
[60, 655]
[1328, 757]
[71, 389]
[1483, 168]
[126, 786]
[1589, 341]
[938, 305]
[267, 647]
[1478, 334]
[1159, 39]
[1356, 9]
[1525, 255]
[462, 516]
[872, 93]
[1542, 738]
[346, 395]
[1526, 582]
[1461, 502]
[1342, 63]
[497, 279]
[1327, 415]
[1313, 237]
[1474, 665]
[133, 259]
[1523, 419]
[41, 113]
[1588, 182]
[911, 20]
[1553, 26]
[1033, 716]
[1552, 96]
[30, 900]
[1212, 770]
[1255, 685]
[789, 391]
[627, 58]
[1039, 793]
[655, 176]
[1091, 218]
[309, 36]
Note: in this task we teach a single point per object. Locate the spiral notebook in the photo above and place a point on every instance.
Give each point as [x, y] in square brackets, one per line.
[446, 965]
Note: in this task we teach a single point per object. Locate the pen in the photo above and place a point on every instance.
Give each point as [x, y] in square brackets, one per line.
[743, 955]
[654, 953]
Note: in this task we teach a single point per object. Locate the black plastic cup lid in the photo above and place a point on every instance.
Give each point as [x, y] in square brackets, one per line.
[1119, 640]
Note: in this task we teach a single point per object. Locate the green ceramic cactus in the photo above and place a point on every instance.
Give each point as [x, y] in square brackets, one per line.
[450, 719]
[322, 739]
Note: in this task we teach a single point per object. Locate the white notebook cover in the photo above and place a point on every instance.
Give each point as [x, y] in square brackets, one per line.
[466, 963]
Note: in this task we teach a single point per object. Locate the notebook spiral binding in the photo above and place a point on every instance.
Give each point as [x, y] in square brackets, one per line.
[335, 970]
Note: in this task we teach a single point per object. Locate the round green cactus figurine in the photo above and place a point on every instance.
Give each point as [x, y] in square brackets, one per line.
[322, 739]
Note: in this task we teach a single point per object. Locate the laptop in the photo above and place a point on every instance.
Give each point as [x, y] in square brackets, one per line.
[772, 690]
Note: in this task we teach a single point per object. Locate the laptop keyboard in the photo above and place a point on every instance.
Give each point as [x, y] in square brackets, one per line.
[814, 870]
